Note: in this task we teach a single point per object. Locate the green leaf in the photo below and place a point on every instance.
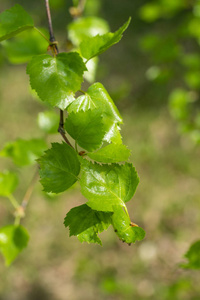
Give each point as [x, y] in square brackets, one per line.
[48, 121]
[14, 21]
[91, 66]
[124, 228]
[8, 183]
[193, 256]
[86, 223]
[82, 28]
[13, 239]
[111, 154]
[93, 46]
[23, 47]
[107, 185]
[59, 168]
[24, 152]
[98, 98]
[56, 79]
[86, 128]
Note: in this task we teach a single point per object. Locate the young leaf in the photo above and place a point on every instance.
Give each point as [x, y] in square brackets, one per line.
[123, 228]
[59, 168]
[48, 121]
[93, 46]
[13, 239]
[23, 47]
[56, 79]
[82, 28]
[8, 183]
[98, 98]
[13, 21]
[111, 154]
[86, 223]
[107, 185]
[193, 256]
[86, 128]
[24, 152]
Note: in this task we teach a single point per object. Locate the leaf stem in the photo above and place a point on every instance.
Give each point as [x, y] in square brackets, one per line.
[76, 148]
[83, 92]
[17, 220]
[61, 129]
[29, 190]
[13, 201]
[42, 34]
[55, 49]
[20, 209]
[126, 211]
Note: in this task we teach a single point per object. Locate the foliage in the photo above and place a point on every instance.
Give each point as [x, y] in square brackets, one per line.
[93, 121]
[178, 60]
[171, 58]
[193, 256]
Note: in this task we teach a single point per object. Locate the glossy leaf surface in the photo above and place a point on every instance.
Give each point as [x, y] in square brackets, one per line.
[86, 128]
[107, 185]
[24, 152]
[111, 154]
[13, 239]
[122, 225]
[8, 183]
[98, 98]
[14, 21]
[56, 79]
[86, 223]
[59, 168]
[93, 46]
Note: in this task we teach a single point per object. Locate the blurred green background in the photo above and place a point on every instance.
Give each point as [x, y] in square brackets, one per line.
[153, 75]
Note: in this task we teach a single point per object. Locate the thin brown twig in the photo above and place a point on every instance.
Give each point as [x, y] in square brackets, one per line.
[55, 49]
[29, 190]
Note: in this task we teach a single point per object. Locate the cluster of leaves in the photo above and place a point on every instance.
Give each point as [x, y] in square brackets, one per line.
[98, 159]
[175, 58]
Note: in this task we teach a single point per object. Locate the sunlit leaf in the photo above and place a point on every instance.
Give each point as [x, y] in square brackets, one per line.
[111, 154]
[84, 27]
[107, 185]
[24, 46]
[13, 239]
[93, 46]
[48, 121]
[59, 168]
[91, 65]
[86, 223]
[97, 97]
[126, 231]
[8, 183]
[14, 21]
[24, 152]
[56, 79]
[86, 128]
